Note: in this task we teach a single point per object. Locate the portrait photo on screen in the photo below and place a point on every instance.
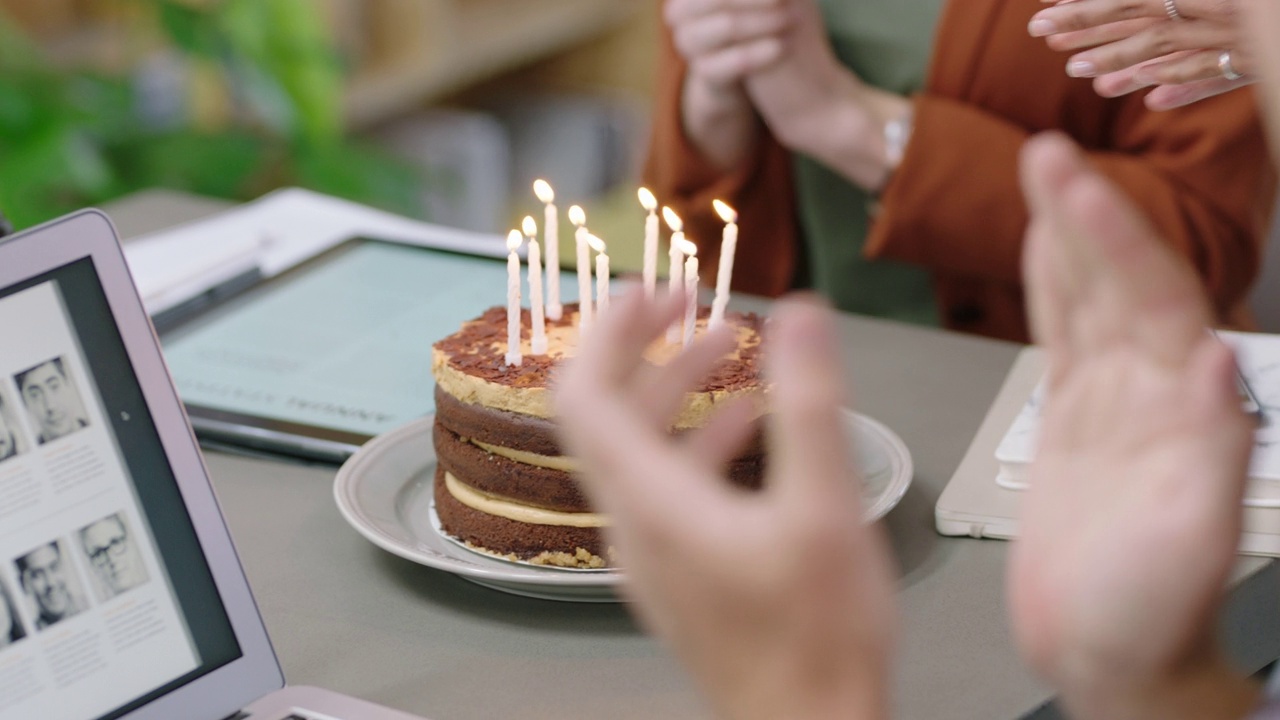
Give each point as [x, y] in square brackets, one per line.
[11, 628]
[52, 400]
[50, 585]
[111, 551]
[13, 439]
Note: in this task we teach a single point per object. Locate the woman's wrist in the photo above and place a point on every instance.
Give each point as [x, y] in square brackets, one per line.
[849, 134]
[719, 120]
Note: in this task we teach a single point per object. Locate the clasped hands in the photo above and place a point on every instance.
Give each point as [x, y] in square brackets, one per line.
[773, 57]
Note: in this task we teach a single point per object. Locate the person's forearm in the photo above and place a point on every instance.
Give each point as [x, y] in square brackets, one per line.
[846, 133]
[719, 121]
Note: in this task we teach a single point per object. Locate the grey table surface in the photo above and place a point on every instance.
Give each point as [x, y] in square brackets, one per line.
[348, 616]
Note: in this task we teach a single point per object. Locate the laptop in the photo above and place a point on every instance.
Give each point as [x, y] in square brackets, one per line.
[121, 595]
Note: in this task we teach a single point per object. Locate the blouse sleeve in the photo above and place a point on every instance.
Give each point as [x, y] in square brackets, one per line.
[1201, 174]
[761, 190]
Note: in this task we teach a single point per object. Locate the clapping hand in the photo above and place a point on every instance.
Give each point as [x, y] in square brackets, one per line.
[1188, 49]
[780, 601]
[1130, 527]
[773, 58]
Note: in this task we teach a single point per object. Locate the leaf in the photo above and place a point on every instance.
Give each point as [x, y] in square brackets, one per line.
[361, 174]
[191, 29]
[219, 165]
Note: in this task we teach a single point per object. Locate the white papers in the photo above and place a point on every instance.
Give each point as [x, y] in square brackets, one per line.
[1258, 356]
[273, 233]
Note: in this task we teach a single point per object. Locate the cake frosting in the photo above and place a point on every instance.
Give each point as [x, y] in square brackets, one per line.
[503, 485]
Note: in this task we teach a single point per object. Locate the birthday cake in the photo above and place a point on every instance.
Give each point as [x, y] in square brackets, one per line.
[503, 486]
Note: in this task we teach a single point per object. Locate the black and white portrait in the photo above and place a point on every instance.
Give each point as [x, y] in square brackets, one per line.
[11, 628]
[52, 399]
[112, 553]
[13, 439]
[50, 584]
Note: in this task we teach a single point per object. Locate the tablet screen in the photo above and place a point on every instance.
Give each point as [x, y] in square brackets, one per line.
[338, 349]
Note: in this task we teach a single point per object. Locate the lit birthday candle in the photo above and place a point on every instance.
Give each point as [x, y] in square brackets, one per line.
[724, 276]
[538, 341]
[675, 269]
[551, 238]
[578, 217]
[650, 204]
[690, 289]
[602, 275]
[513, 299]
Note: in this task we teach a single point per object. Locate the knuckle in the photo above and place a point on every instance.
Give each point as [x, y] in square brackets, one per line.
[1130, 9]
[1163, 39]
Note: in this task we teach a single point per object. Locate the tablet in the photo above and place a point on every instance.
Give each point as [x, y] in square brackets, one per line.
[316, 361]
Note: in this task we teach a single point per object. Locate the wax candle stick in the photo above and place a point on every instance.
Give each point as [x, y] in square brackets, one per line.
[650, 204]
[578, 217]
[551, 238]
[724, 275]
[602, 275]
[675, 269]
[513, 356]
[691, 290]
[538, 340]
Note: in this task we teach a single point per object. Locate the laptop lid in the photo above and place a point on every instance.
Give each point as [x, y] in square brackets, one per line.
[121, 595]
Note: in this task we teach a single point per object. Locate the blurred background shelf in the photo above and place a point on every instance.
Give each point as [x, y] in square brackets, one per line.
[443, 110]
[430, 49]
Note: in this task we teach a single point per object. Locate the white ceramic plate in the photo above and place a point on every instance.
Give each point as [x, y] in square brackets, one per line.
[384, 492]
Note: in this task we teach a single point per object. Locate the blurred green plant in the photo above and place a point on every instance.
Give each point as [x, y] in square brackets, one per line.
[71, 138]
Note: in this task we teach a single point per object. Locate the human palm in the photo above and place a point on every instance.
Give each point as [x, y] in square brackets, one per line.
[1129, 529]
[1131, 524]
[779, 601]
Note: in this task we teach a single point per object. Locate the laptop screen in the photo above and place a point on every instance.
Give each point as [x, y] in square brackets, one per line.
[106, 600]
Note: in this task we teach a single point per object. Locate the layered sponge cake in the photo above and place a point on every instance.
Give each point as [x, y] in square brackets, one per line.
[503, 485]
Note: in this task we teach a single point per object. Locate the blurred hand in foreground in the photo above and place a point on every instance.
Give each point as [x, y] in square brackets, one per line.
[1128, 45]
[1129, 530]
[780, 601]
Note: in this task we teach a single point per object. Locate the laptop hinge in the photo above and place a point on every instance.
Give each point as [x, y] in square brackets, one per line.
[241, 715]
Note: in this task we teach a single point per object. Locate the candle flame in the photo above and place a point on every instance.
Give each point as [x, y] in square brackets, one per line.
[673, 220]
[647, 200]
[514, 238]
[543, 190]
[725, 212]
[577, 216]
[596, 243]
[687, 247]
[530, 226]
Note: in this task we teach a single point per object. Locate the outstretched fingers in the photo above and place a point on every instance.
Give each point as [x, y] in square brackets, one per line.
[811, 464]
[1055, 276]
[1151, 295]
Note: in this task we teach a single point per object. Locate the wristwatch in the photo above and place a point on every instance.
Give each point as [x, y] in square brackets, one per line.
[897, 133]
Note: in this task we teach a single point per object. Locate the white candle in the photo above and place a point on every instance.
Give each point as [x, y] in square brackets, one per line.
[691, 291]
[602, 275]
[724, 276]
[675, 269]
[513, 299]
[650, 204]
[538, 341]
[578, 217]
[551, 238]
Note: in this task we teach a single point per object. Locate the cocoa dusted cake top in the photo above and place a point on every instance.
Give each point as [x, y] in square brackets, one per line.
[479, 347]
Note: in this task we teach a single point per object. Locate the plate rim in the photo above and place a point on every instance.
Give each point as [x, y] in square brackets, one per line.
[351, 476]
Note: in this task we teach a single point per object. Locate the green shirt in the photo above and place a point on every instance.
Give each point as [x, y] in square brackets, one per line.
[888, 44]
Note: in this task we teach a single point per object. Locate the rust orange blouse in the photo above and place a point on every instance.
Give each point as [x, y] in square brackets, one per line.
[954, 205]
